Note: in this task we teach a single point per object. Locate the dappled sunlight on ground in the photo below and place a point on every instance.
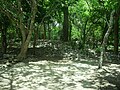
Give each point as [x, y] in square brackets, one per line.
[59, 75]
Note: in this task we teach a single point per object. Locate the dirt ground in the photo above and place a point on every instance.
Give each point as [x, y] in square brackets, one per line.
[58, 67]
[59, 75]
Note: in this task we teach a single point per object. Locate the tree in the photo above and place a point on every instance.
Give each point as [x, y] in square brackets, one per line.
[5, 23]
[104, 43]
[22, 18]
[116, 30]
[26, 38]
[65, 24]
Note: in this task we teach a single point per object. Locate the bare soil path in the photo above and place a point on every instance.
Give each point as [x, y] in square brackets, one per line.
[59, 75]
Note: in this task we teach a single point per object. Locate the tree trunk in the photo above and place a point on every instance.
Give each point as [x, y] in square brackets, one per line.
[93, 40]
[65, 24]
[70, 31]
[104, 32]
[116, 36]
[35, 40]
[4, 24]
[21, 25]
[110, 25]
[84, 33]
[24, 48]
[44, 30]
[49, 32]
[4, 41]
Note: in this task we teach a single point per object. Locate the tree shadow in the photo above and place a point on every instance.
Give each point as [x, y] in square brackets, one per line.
[109, 80]
[92, 62]
[89, 84]
[9, 80]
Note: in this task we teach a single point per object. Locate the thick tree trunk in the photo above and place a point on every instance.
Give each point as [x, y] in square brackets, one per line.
[24, 48]
[116, 36]
[65, 24]
[110, 25]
